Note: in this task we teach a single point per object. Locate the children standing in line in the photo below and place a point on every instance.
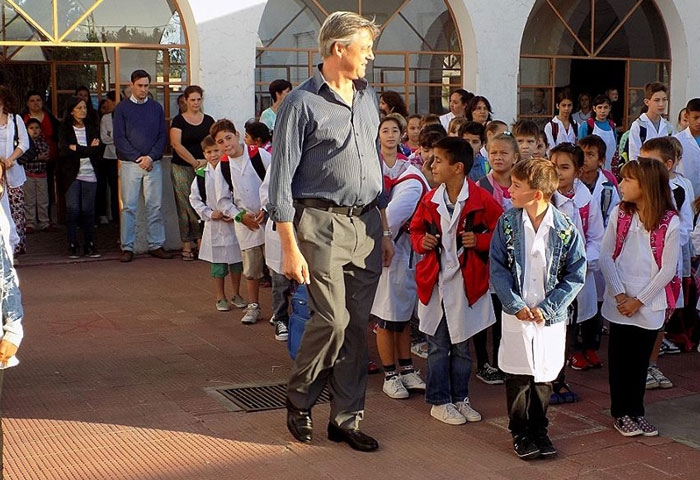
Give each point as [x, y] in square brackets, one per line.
[651, 124]
[395, 299]
[601, 125]
[526, 133]
[639, 258]
[562, 129]
[36, 189]
[576, 201]
[473, 132]
[503, 150]
[452, 228]
[538, 266]
[219, 245]
[240, 200]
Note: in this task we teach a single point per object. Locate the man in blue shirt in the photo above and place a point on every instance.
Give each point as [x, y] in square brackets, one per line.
[139, 136]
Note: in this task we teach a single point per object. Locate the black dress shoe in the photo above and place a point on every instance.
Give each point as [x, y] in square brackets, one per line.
[299, 423]
[353, 437]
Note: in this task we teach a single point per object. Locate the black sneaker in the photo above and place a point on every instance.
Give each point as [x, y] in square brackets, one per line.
[490, 375]
[91, 251]
[525, 448]
[281, 331]
[73, 251]
[547, 450]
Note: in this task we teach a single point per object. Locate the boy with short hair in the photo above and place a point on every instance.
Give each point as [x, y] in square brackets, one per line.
[599, 124]
[689, 166]
[219, 245]
[36, 188]
[474, 133]
[245, 169]
[526, 133]
[651, 124]
[452, 228]
[601, 183]
[537, 266]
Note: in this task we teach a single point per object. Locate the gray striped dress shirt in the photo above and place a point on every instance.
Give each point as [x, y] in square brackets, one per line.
[325, 149]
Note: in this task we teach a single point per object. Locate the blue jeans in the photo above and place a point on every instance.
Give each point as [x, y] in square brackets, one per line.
[80, 211]
[449, 367]
[131, 180]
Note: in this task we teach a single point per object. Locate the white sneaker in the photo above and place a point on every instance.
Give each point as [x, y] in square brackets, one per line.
[660, 378]
[252, 314]
[465, 408]
[412, 381]
[420, 349]
[273, 322]
[394, 388]
[448, 414]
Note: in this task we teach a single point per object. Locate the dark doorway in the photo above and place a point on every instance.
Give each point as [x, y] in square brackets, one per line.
[596, 76]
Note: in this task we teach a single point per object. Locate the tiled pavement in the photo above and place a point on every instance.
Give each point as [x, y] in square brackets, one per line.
[119, 362]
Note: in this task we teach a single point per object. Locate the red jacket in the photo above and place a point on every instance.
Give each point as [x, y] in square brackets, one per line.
[484, 212]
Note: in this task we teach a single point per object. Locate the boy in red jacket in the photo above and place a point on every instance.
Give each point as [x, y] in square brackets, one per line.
[452, 228]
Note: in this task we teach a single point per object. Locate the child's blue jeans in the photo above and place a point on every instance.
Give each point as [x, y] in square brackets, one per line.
[449, 367]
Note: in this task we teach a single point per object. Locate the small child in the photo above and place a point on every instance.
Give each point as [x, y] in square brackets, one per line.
[474, 133]
[493, 129]
[455, 126]
[424, 160]
[639, 258]
[36, 188]
[526, 133]
[240, 199]
[689, 166]
[413, 126]
[219, 245]
[602, 126]
[503, 150]
[651, 124]
[601, 183]
[538, 266]
[562, 129]
[542, 146]
[574, 199]
[257, 134]
[452, 228]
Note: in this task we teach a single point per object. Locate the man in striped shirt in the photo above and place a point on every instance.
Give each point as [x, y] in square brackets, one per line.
[326, 184]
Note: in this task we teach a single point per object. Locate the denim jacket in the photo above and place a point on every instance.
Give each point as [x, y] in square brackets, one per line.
[567, 272]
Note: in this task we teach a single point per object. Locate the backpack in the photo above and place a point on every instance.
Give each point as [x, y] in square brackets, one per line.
[255, 160]
[657, 239]
[555, 129]
[606, 197]
[678, 196]
[389, 184]
[201, 185]
[616, 162]
[624, 148]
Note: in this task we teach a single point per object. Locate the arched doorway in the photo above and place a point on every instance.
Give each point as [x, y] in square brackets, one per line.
[418, 52]
[590, 46]
[55, 45]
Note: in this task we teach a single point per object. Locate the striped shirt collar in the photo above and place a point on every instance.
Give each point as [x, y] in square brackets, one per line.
[360, 84]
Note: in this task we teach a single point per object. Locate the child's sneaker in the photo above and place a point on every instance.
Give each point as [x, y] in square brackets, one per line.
[546, 447]
[651, 383]
[238, 301]
[648, 430]
[448, 414]
[627, 426]
[412, 381]
[667, 346]
[394, 388]
[281, 332]
[490, 375]
[252, 314]
[222, 305]
[420, 349]
[525, 448]
[593, 358]
[661, 379]
[272, 320]
[578, 362]
[465, 408]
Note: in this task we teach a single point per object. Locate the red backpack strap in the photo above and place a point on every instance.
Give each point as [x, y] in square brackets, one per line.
[657, 239]
[584, 213]
[555, 130]
[591, 125]
[624, 220]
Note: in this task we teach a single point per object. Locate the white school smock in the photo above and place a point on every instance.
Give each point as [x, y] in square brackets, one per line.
[530, 348]
[397, 295]
[634, 141]
[689, 166]
[463, 321]
[446, 119]
[636, 274]
[563, 135]
[587, 299]
[608, 136]
[273, 243]
[246, 195]
[219, 243]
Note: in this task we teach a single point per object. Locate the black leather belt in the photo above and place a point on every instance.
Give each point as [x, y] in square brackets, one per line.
[331, 207]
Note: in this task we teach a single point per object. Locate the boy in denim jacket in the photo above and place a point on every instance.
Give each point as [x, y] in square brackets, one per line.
[538, 265]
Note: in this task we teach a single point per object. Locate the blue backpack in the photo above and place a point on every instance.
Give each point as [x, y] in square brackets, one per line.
[297, 321]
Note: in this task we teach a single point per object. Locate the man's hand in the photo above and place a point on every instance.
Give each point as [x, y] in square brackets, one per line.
[294, 266]
[145, 163]
[249, 221]
[387, 251]
[7, 351]
[430, 241]
[468, 239]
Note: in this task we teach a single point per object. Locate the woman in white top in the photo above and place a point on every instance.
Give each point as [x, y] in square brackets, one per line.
[638, 257]
[14, 141]
[79, 152]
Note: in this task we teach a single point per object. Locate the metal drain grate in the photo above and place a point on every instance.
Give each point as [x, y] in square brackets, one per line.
[263, 397]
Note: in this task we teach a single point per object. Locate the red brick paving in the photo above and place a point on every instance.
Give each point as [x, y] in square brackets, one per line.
[120, 360]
